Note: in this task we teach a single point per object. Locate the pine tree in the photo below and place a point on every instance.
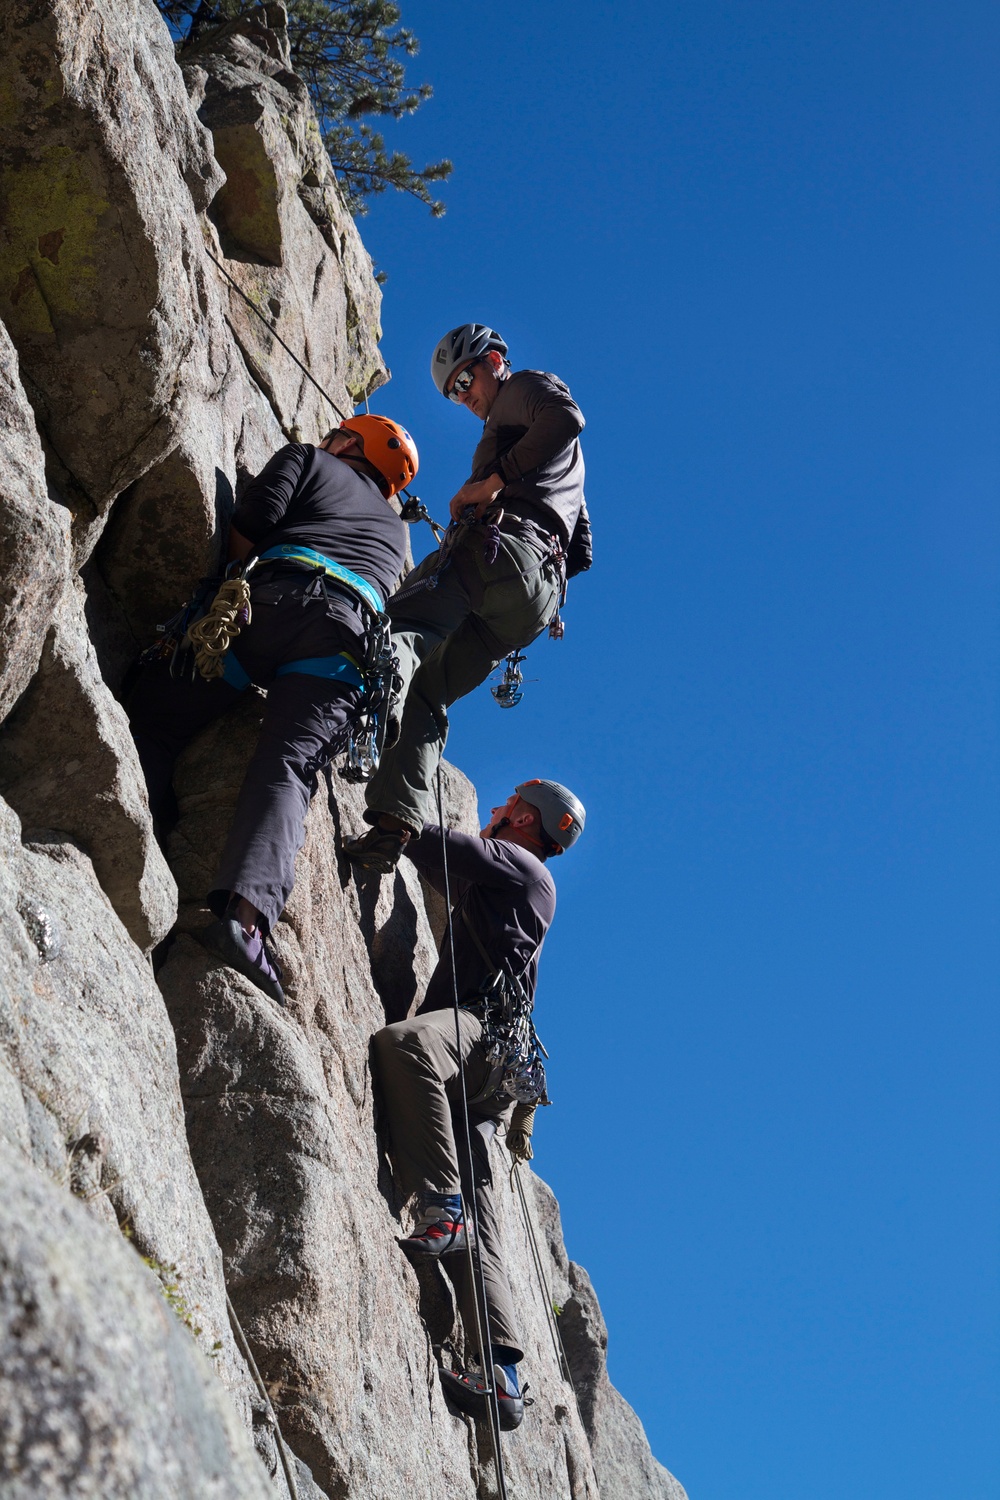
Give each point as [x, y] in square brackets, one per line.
[352, 58]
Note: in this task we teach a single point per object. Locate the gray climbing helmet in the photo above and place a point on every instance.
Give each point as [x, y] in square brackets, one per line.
[457, 348]
[563, 815]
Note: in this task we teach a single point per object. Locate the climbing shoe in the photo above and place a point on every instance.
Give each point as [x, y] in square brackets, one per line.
[467, 1389]
[379, 849]
[440, 1229]
[247, 954]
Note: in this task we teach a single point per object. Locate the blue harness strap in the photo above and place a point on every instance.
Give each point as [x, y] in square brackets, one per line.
[290, 552]
[233, 673]
[341, 668]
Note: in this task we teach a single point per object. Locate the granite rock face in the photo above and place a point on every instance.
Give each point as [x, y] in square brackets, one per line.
[34, 536]
[103, 1395]
[168, 1139]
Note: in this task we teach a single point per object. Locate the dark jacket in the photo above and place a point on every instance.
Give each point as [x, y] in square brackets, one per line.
[311, 498]
[508, 896]
[531, 438]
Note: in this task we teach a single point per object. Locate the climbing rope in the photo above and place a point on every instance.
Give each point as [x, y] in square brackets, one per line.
[267, 322]
[211, 635]
[473, 1254]
[241, 1339]
[536, 1255]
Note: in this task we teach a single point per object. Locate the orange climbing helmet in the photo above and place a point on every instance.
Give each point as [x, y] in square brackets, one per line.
[388, 448]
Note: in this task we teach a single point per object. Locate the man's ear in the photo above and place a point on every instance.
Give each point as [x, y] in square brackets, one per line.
[524, 820]
[495, 360]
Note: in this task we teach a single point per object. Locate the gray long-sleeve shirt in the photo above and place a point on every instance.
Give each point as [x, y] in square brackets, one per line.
[507, 894]
[531, 438]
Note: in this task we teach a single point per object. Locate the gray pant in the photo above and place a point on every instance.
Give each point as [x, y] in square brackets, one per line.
[419, 1067]
[448, 639]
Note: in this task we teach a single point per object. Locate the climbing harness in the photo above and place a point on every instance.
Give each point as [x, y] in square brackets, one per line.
[473, 1253]
[275, 334]
[208, 632]
[378, 673]
[513, 1049]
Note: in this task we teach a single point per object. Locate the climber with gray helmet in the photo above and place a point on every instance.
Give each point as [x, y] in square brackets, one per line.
[504, 900]
[519, 529]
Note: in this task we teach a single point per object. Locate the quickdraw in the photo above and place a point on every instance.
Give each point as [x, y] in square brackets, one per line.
[513, 1047]
[382, 683]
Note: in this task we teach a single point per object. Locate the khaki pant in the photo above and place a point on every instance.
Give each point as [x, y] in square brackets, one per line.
[448, 639]
[419, 1067]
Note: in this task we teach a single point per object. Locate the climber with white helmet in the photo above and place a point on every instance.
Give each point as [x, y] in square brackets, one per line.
[504, 900]
[519, 529]
[321, 548]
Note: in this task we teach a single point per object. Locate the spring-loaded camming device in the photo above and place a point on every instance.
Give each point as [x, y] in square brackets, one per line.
[509, 691]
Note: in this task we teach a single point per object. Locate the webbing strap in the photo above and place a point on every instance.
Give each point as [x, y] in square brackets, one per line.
[233, 673]
[290, 552]
[339, 668]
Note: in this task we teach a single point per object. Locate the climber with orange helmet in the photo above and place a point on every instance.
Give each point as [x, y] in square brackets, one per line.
[321, 550]
[519, 529]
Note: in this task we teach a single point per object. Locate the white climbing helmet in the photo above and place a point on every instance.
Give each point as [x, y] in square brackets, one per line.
[562, 814]
[457, 348]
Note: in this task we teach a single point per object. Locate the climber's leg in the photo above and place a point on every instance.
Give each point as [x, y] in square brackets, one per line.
[418, 1065]
[303, 715]
[164, 714]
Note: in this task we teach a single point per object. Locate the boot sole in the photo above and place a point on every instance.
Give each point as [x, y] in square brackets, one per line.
[217, 938]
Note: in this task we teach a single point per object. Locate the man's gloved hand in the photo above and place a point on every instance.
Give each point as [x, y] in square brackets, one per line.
[480, 493]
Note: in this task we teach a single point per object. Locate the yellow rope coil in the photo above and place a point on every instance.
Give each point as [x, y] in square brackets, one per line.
[212, 634]
[522, 1123]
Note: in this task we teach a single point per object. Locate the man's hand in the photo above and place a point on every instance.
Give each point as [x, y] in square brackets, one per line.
[481, 494]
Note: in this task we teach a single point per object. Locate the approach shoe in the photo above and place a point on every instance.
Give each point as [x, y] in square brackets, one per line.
[247, 954]
[379, 849]
[467, 1389]
[438, 1231]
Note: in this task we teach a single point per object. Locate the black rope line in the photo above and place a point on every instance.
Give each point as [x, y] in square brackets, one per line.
[268, 324]
[550, 1311]
[473, 1251]
[241, 1339]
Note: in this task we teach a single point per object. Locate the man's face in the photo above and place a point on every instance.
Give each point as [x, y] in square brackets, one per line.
[484, 384]
[497, 815]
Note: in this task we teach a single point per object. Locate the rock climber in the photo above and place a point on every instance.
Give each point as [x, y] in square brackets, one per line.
[504, 900]
[315, 518]
[520, 528]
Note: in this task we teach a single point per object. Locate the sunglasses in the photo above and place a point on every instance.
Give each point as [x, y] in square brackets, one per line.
[463, 381]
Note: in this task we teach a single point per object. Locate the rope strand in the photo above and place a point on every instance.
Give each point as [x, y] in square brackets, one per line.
[267, 322]
[474, 1256]
[241, 1339]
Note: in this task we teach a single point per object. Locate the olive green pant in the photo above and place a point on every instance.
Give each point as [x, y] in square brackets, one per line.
[420, 1068]
[448, 638]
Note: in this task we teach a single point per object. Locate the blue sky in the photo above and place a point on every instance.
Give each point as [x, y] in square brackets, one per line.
[760, 242]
